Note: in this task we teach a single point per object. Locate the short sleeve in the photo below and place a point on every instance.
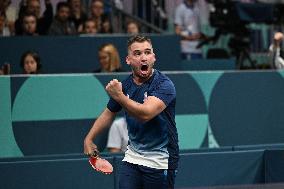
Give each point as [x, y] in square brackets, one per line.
[178, 16]
[165, 91]
[113, 106]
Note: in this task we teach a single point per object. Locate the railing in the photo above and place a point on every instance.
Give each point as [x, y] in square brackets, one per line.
[148, 21]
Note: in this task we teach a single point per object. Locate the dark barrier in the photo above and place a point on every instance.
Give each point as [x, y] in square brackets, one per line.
[223, 168]
[208, 64]
[207, 170]
[72, 54]
[74, 171]
[252, 186]
[53, 173]
[274, 166]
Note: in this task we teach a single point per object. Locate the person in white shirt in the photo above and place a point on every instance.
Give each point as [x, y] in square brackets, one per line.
[276, 57]
[187, 26]
[118, 136]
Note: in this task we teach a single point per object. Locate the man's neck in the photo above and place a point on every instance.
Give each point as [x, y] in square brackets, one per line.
[140, 80]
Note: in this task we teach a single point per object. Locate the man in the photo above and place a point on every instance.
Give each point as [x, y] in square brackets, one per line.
[29, 25]
[61, 24]
[187, 26]
[148, 98]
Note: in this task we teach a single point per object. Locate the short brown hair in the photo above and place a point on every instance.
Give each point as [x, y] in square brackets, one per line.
[138, 38]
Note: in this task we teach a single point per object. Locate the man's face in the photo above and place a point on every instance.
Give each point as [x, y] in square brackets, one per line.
[29, 24]
[132, 28]
[34, 7]
[63, 14]
[90, 27]
[141, 58]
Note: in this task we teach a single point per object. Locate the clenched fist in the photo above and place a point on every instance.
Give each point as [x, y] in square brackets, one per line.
[114, 88]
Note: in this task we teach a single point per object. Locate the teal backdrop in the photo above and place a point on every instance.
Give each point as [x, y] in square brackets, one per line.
[51, 114]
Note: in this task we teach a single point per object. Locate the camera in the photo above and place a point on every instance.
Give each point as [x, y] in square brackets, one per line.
[234, 17]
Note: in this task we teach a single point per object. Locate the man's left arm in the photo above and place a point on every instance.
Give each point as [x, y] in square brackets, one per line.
[151, 107]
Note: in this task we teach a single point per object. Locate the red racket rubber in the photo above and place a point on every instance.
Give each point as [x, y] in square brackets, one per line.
[101, 165]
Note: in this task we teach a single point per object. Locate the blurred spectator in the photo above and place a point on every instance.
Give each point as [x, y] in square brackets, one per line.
[29, 24]
[61, 24]
[78, 14]
[4, 30]
[275, 51]
[5, 69]
[187, 25]
[10, 14]
[153, 11]
[102, 20]
[118, 4]
[89, 27]
[30, 62]
[132, 27]
[118, 136]
[109, 59]
[33, 6]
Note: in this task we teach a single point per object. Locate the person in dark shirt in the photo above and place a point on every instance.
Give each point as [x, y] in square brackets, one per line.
[62, 25]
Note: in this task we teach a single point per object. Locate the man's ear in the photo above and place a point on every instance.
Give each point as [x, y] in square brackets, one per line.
[154, 57]
[127, 60]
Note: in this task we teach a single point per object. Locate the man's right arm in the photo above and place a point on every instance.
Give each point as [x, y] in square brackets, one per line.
[103, 121]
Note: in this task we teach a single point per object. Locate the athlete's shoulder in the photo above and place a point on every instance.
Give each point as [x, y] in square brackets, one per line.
[127, 82]
[161, 77]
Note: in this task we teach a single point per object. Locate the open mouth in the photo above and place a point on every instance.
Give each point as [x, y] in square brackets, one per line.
[144, 68]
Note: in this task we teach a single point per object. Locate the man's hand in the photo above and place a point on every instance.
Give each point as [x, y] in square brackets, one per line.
[89, 147]
[114, 89]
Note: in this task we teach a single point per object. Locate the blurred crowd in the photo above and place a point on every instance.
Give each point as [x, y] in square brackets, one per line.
[185, 18]
[56, 17]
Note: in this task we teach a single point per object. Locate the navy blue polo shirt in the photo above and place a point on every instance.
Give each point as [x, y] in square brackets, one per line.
[153, 143]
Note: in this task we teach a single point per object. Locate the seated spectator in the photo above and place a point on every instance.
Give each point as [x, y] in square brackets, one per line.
[61, 24]
[102, 20]
[29, 25]
[109, 59]
[10, 14]
[132, 28]
[30, 63]
[5, 69]
[276, 53]
[89, 27]
[118, 136]
[77, 13]
[43, 22]
[4, 30]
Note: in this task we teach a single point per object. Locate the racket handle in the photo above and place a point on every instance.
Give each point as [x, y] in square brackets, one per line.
[95, 154]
